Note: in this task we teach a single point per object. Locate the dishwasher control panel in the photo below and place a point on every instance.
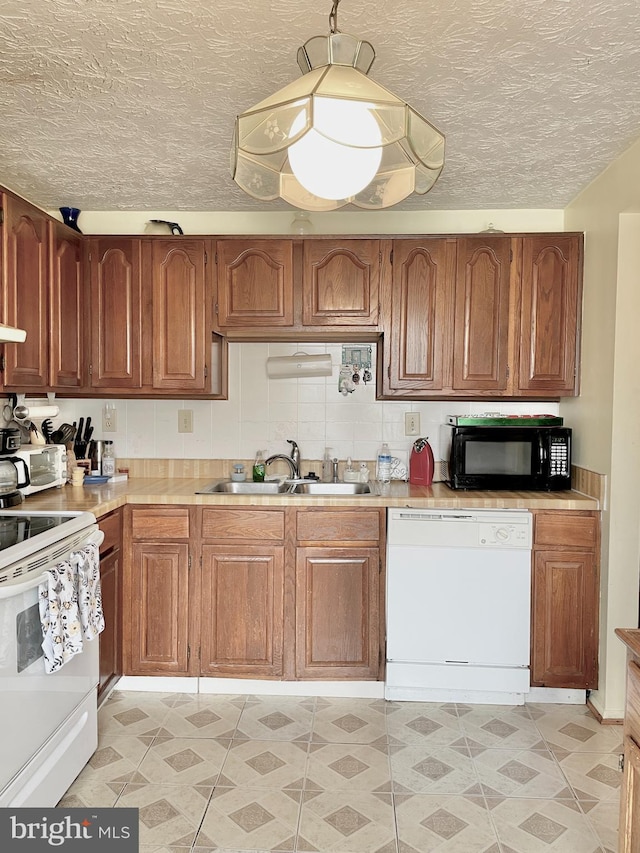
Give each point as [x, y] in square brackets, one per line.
[460, 528]
[504, 534]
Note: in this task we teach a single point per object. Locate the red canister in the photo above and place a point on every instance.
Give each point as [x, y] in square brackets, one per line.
[421, 463]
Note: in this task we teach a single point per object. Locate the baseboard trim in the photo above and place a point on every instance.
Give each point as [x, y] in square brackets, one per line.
[557, 695]
[253, 686]
[604, 721]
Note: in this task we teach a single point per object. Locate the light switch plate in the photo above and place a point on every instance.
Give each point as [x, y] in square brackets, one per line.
[185, 420]
[411, 423]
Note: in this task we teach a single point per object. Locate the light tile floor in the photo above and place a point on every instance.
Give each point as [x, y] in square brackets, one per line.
[236, 773]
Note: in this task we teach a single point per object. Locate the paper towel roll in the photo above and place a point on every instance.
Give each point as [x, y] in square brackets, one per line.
[24, 413]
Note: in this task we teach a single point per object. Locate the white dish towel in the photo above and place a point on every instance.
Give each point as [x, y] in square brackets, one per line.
[70, 607]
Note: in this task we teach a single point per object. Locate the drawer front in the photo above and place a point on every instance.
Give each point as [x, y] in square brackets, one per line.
[152, 524]
[561, 529]
[111, 526]
[246, 525]
[315, 525]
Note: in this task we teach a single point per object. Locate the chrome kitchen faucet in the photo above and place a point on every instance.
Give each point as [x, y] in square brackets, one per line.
[293, 461]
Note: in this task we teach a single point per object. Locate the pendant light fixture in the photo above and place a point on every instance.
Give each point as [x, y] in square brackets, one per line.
[334, 137]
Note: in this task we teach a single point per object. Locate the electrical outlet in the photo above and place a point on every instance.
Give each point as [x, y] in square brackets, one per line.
[185, 420]
[109, 420]
[411, 423]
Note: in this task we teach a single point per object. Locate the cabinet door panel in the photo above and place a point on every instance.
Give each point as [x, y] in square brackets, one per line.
[255, 283]
[551, 288]
[341, 283]
[337, 613]
[565, 619]
[116, 307]
[160, 613]
[179, 315]
[629, 831]
[420, 313]
[68, 309]
[482, 314]
[26, 294]
[242, 610]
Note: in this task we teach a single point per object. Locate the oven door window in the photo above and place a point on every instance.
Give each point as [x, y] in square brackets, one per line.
[28, 637]
[508, 458]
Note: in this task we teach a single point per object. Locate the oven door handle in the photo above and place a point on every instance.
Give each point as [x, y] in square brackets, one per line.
[97, 537]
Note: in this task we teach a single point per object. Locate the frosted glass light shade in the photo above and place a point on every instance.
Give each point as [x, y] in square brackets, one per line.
[331, 169]
[398, 150]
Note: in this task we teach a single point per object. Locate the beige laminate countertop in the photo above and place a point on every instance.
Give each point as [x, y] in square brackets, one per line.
[631, 638]
[103, 499]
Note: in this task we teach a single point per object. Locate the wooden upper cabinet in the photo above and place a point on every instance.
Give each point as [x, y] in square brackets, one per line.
[68, 309]
[419, 304]
[180, 315]
[551, 289]
[255, 283]
[26, 293]
[341, 283]
[481, 314]
[116, 313]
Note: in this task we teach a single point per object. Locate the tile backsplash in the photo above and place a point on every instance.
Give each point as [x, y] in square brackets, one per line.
[261, 413]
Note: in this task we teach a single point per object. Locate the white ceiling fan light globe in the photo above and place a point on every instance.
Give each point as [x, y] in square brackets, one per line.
[324, 160]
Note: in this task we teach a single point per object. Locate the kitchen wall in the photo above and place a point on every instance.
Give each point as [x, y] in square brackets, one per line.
[261, 413]
[607, 413]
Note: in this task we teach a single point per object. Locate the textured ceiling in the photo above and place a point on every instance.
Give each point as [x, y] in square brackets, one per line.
[130, 104]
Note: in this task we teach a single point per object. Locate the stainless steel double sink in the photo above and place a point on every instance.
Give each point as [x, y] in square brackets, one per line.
[230, 487]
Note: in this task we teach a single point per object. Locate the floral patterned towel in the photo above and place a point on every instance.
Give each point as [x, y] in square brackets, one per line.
[70, 607]
[87, 567]
[61, 629]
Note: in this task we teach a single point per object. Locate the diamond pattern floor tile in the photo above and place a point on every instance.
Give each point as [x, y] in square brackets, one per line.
[263, 774]
[520, 773]
[531, 826]
[432, 770]
[251, 819]
[169, 815]
[363, 824]
[448, 823]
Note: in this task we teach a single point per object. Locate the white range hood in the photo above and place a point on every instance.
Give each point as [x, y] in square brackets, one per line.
[10, 335]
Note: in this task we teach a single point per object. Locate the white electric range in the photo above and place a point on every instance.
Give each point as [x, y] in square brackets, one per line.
[48, 722]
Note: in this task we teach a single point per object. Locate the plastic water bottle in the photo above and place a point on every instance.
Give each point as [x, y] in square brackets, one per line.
[384, 464]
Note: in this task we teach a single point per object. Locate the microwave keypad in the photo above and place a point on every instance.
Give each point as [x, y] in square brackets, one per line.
[559, 454]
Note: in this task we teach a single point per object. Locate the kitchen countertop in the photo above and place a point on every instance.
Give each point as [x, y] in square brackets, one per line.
[631, 638]
[171, 490]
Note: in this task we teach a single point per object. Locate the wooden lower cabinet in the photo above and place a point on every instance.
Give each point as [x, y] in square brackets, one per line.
[339, 622]
[565, 600]
[158, 593]
[252, 592]
[242, 610]
[337, 616]
[110, 639]
[629, 827]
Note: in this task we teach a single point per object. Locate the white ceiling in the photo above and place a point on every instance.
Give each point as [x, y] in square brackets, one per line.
[130, 104]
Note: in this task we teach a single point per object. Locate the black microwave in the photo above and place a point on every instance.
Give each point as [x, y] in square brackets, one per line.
[506, 457]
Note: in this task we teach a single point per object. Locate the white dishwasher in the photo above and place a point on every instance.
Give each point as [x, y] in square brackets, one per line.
[458, 605]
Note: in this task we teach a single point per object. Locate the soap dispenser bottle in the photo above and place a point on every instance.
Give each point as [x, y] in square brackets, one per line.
[258, 468]
[327, 466]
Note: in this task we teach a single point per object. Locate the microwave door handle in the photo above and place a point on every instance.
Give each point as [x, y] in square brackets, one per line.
[543, 455]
